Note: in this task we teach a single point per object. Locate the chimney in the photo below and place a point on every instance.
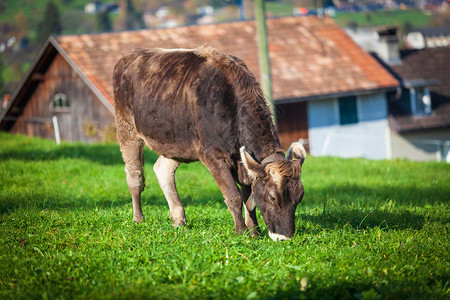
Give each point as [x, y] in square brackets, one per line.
[388, 45]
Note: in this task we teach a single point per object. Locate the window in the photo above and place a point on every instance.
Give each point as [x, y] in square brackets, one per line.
[348, 112]
[416, 100]
[59, 102]
[405, 100]
[420, 101]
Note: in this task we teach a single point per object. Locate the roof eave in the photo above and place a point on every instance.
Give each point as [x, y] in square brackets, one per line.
[82, 75]
[418, 83]
[24, 80]
[397, 126]
[422, 129]
[333, 95]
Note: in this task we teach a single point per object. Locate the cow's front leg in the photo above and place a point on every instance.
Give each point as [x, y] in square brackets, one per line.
[222, 175]
[250, 211]
[165, 172]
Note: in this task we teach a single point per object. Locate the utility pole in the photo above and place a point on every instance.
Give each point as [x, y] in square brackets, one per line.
[263, 54]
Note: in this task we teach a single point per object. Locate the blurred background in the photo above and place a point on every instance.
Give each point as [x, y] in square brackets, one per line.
[26, 24]
[351, 78]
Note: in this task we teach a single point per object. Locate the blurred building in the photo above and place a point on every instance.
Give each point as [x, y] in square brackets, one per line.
[419, 112]
[328, 91]
[428, 38]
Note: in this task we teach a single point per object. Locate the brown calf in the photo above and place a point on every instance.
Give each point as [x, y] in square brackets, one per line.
[190, 105]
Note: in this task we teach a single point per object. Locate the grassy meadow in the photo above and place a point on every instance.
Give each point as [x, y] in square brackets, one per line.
[414, 18]
[365, 230]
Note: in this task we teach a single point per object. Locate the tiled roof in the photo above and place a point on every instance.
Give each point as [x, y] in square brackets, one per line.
[434, 31]
[439, 119]
[309, 56]
[426, 64]
[429, 64]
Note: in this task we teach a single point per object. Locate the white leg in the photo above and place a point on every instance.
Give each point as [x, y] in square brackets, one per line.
[165, 172]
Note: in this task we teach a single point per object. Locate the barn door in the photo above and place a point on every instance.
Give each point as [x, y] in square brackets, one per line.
[292, 123]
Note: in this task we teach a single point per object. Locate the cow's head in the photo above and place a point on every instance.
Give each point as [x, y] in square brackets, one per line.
[277, 189]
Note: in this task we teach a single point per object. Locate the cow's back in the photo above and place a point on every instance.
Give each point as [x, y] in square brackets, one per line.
[178, 100]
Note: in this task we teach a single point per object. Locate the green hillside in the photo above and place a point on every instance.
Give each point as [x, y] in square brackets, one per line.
[401, 18]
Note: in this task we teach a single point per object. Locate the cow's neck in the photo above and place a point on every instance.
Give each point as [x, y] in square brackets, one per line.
[261, 142]
[257, 131]
[267, 153]
[264, 145]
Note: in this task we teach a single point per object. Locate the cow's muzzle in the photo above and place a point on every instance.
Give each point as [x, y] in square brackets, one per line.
[276, 237]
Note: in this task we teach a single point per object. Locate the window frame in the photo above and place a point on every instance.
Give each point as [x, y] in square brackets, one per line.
[426, 101]
[63, 105]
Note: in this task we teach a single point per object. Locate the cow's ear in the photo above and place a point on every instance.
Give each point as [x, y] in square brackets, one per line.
[296, 152]
[253, 167]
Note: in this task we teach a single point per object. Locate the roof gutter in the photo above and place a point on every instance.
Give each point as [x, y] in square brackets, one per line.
[418, 83]
[336, 95]
[83, 76]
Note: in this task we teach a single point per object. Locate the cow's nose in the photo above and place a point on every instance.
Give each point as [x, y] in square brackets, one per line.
[276, 237]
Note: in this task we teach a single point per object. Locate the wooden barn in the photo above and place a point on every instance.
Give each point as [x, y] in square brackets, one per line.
[312, 60]
[55, 86]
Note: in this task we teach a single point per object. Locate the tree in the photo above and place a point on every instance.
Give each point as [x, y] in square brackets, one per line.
[130, 18]
[2, 82]
[50, 24]
[104, 22]
[21, 22]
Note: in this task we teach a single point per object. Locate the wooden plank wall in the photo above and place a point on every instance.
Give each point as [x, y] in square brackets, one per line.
[84, 105]
[292, 123]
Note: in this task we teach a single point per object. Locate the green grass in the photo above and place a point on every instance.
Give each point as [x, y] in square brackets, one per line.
[365, 230]
[279, 9]
[414, 17]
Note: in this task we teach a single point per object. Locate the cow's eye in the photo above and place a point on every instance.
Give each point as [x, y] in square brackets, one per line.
[272, 198]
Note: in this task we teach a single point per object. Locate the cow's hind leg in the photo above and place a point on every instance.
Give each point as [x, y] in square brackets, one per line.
[132, 148]
[165, 172]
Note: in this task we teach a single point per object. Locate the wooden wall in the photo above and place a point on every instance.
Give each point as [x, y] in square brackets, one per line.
[292, 123]
[84, 106]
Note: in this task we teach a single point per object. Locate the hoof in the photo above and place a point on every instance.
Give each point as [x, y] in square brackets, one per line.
[178, 218]
[139, 219]
[254, 232]
[239, 231]
[178, 223]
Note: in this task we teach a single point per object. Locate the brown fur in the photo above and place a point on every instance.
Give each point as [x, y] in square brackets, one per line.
[285, 168]
[190, 105]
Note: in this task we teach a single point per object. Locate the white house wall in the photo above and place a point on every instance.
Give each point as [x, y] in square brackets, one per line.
[422, 146]
[368, 138]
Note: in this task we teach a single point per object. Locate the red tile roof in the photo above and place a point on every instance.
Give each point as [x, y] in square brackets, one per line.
[309, 56]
